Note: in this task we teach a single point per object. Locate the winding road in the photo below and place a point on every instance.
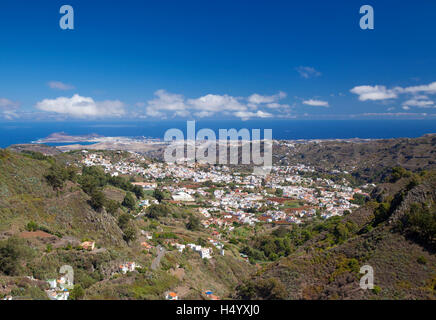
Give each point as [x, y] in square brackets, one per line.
[160, 253]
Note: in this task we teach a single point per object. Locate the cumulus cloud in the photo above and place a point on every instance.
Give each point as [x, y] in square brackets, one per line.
[259, 99]
[246, 115]
[58, 85]
[373, 93]
[429, 89]
[81, 107]
[215, 103]
[316, 103]
[420, 102]
[165, 101]
[418, 94]
[308, 72]
[175, 105]
[8, 109]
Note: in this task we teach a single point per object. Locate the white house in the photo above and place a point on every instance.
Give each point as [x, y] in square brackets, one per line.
[182, 196]
[205, 253]
[180, 247]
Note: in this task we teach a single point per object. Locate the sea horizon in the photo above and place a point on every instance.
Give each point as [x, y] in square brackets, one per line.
[294, 129]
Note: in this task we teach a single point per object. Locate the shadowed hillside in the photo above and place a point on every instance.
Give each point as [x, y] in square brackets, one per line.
[395, 233]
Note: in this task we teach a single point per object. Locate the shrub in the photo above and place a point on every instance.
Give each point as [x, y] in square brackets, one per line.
[77, 292]
[376, 289]
[155, 211]
[421, 260]
[129, 234]
[193, 223]
[267, 289]
[56, 176]
[420, 223]
[11, 252]
[129, 202]
[97, 199]
[398, 173]
[111, 206]
[32, 226]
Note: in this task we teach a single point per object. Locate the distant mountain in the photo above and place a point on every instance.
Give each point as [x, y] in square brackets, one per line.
[29, 148]
[367, 160]
[64, 137]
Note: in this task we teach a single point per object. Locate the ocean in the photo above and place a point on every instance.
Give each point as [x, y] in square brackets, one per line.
[26, 132]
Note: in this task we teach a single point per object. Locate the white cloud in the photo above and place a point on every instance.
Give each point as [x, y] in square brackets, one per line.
[246, 115]
[276, 105]
[373, 93]
[429, 89]
[8, 109]
[81, 107]
[216, 103]
[316, 103]
[418, 99]
[308, 72]
[203, 114]
[175, 105]
[417, 102]
[165, 101]
[259, 99]
[60, 85]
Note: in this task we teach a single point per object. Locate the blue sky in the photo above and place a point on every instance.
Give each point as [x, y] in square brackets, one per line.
[217, 59]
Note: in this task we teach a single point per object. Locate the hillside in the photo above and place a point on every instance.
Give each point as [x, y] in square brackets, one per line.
[50, 203]
[394, 233]
[47, 209]
[368, 160]
[26, 196]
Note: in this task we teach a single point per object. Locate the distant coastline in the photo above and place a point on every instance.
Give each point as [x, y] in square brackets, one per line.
[88, 133]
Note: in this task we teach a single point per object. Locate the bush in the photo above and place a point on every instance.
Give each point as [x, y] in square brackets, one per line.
[129, 202]
[111, 206]
[398, 173]
[129, 234]
[421, 260]
[156, 211]
[57, 175]
[32, 226]
[382, 213]
[11, 252]
[193, 223]
[123, 220]
[265, 289]
[160, 195]
[376, 289]
[138, 191]
[420, 223]
[97, 199]
[77, 292]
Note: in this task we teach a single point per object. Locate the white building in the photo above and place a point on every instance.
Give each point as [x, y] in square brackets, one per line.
[182, 196]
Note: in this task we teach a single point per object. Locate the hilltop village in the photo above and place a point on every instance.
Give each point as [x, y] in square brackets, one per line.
[186, 213]
[286, 196]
